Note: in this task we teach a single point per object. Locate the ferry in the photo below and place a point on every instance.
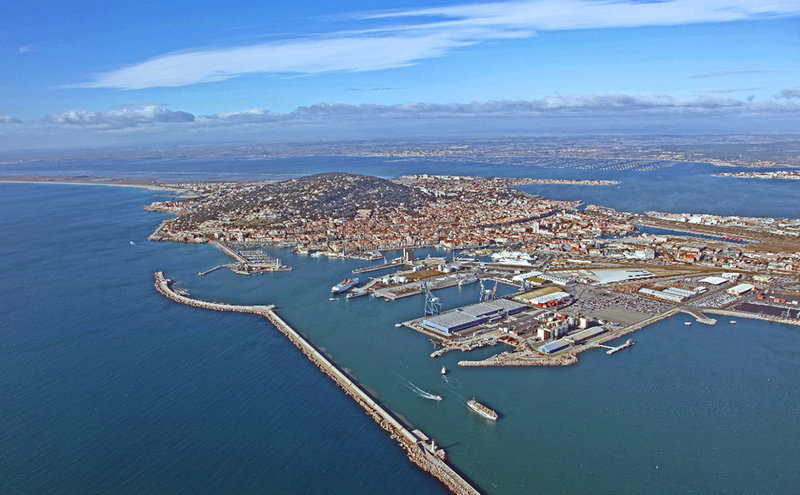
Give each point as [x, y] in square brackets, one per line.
[482, 410]
[344, 285]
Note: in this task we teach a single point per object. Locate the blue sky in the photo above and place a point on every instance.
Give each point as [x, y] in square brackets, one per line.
[89, 73]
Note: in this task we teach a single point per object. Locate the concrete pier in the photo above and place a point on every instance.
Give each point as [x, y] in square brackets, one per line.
[420, 451]
[377, 267]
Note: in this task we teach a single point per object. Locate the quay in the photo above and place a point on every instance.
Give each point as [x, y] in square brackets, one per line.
[378, 267]
[422, 452]
[230, 252]
[753, 316]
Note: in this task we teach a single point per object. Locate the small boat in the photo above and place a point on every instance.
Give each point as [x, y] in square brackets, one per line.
[436, 397]
[482, 410]
[132, 243]
[687, 323]
[444, 370]
[733, 322]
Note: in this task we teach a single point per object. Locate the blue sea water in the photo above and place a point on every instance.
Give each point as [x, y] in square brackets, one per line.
[107, 387]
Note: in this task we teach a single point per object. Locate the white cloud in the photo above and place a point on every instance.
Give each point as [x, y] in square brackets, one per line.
[445, 28]
[7, 119]
[295, 56]
[725, 73]
[24, 49]
[649, 107]
[554, 105]
[119, 119]
[253, 116]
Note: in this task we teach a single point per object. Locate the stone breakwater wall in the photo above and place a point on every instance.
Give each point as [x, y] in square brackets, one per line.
[423, 454]
[522, 359]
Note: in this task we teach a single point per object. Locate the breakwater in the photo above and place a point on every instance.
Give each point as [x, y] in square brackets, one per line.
[421, 451]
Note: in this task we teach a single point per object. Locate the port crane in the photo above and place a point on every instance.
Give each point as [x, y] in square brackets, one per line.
[432, 303]
[487, 294]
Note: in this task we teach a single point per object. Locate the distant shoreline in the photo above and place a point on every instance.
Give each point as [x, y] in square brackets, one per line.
[104, 181]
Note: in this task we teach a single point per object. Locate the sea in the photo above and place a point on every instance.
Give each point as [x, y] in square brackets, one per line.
[108, 387]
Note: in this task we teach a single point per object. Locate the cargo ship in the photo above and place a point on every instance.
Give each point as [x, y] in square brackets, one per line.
[482, 410]
[344, 285]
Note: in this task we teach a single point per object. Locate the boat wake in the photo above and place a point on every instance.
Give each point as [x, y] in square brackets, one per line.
[452, 382]
[419, 391]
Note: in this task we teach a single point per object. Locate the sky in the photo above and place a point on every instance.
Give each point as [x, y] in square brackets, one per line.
[92, 73]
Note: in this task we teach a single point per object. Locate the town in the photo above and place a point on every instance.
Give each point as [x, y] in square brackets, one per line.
[581, 275]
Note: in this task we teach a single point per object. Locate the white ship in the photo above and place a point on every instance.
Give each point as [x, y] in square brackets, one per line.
[344, 285]
[482, 410]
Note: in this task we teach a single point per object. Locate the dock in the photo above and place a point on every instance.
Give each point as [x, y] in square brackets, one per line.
[699, 316]
[422, 452]
[375, 268]
[248, 262]
[201, 274]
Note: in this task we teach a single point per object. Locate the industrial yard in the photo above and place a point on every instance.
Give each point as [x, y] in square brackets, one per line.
[552, 315]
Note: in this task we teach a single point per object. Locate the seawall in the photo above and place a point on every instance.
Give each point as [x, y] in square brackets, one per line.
[424, 454]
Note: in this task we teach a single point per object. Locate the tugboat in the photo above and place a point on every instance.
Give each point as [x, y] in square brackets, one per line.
[482, 410]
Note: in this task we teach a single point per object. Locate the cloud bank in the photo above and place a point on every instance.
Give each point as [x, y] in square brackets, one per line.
[7, 119]
[423, 34]
[119, 119]
[581, 105]
[790, 93]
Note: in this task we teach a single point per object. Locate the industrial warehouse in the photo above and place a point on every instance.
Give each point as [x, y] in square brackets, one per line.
[469, 316]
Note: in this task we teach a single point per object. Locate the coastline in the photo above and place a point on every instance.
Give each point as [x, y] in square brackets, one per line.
[113, 182]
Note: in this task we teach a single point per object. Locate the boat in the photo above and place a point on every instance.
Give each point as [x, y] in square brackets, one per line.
[436, 397]
[356, 293]
[687, 323]
[444, 370]
[468, 280]
[733, 322]
[482, 410]
[344, 285]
